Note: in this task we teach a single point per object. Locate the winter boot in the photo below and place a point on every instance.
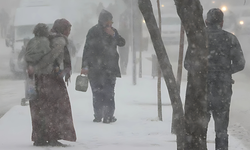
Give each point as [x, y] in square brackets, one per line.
[97, 120]
[40, 143]
[109, 119]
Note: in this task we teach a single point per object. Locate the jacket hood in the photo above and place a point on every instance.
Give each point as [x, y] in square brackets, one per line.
[104, 16]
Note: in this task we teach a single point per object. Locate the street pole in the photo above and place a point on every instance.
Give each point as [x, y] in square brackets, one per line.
[159, 71]
[140, 58]
[139, 28]
[133, 40]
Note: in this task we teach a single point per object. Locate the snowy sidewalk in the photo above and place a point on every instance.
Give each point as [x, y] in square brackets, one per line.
[137, 127]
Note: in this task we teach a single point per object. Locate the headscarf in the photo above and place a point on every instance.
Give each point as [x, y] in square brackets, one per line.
[60, 26]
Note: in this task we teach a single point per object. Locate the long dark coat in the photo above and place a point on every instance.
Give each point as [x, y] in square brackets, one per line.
[100, 52]
[51, 112]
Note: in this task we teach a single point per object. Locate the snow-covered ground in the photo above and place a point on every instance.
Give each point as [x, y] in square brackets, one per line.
[8, 84]
[137, 128]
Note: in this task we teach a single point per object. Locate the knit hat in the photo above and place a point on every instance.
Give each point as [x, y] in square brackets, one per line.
[214, 16]
[105, 16]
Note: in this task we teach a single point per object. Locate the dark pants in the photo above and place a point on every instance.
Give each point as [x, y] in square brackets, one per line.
[3, 30]
[219, 99]
[103, 96]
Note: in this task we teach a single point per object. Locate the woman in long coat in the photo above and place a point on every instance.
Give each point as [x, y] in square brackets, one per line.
[51, 111]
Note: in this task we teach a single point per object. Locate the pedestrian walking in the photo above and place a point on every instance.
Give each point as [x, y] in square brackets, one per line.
[225, 58]
[51, 110]
[100, 63]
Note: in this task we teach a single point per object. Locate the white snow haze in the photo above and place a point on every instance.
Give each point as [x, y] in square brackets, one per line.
[138, 126]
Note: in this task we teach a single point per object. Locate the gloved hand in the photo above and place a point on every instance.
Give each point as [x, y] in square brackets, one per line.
[67, 78]
[65, 73]
[84, 71]
[30, 71]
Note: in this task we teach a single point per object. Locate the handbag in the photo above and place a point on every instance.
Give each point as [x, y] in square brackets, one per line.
[82, 83]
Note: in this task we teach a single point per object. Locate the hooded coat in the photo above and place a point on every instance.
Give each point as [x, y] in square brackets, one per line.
[100, 54]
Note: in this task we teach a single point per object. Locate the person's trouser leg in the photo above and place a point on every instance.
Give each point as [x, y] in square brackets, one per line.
[2, 31]
[221, 105]
[109, 102]
[221, 119]
[97, 91]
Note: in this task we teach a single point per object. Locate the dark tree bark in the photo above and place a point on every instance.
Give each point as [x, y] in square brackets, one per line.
[147, 12]
[190, 13]
[179, 69]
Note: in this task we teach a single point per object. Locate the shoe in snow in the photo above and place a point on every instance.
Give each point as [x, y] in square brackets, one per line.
[109, 120]
[97, 120]
[40, 143]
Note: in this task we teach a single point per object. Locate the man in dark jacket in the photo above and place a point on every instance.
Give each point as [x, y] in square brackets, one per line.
[225, 58]
[100, 62]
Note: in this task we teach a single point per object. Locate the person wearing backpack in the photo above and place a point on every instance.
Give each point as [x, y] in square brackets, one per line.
[51, 110]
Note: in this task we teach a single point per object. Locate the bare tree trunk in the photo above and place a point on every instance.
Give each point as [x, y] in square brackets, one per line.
[190, 13]
[147, 12]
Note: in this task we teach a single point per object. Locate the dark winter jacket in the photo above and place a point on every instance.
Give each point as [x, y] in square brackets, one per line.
[225, 55]
[100, 54]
